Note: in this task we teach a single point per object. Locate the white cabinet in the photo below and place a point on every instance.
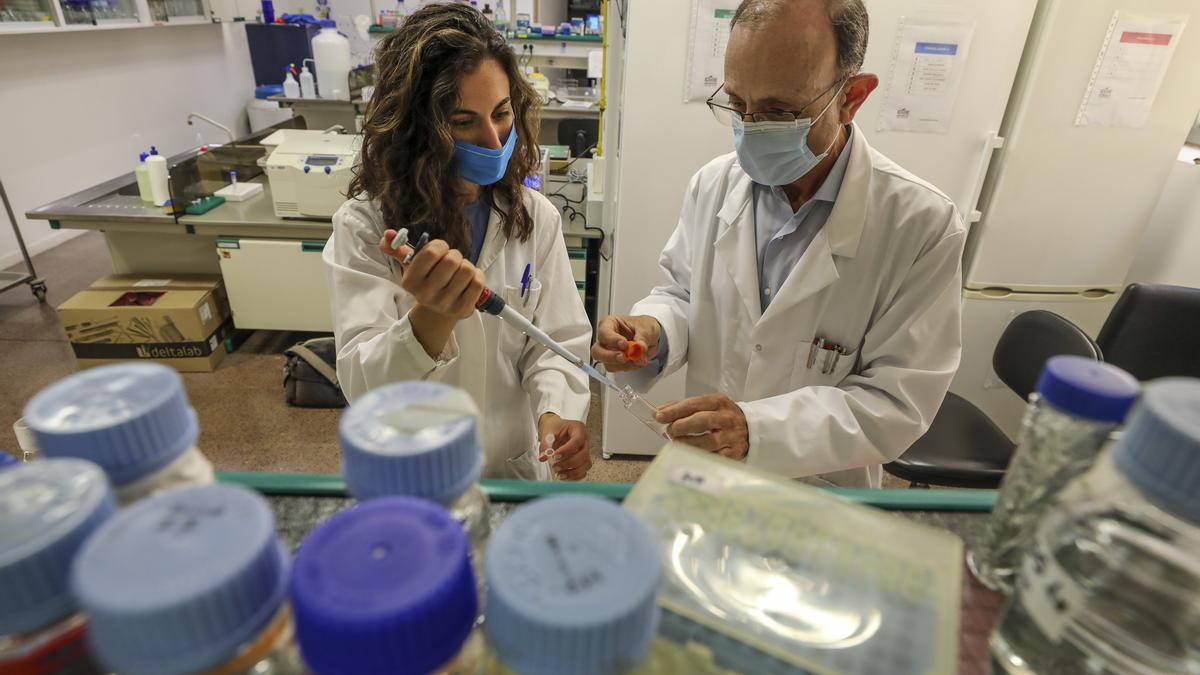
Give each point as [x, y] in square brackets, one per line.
[276, 284]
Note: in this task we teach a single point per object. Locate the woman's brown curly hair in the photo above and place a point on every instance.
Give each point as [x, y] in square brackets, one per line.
[408, 150]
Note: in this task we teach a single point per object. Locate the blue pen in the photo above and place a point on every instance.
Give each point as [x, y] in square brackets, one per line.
[525, 280]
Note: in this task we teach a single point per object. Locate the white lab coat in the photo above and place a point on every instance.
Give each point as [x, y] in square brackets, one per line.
[512, 380]
[882, 279]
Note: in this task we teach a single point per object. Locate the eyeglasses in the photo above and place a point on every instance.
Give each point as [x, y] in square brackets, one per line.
[726, 115]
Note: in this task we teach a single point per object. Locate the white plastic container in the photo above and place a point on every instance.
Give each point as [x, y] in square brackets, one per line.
[308, 86]
[143, 178]
[156, 169]
[331, 54]
[291, 88]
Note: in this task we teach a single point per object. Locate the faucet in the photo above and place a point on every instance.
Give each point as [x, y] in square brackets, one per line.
[213, 122]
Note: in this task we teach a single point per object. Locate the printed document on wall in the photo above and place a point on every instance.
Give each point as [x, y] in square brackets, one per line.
[927, 68]
[711, 21]
[1132, 64]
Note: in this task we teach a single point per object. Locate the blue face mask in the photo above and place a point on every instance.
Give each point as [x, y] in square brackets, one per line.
[484, 166]
[777, 153]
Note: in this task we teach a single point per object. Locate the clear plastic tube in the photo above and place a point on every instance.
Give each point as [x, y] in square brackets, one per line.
[642, 409]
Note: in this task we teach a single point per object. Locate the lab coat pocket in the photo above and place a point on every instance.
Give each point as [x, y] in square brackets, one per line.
[828, 368]
[511, 339]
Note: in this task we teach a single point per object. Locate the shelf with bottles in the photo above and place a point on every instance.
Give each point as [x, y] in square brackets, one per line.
[17, 14]
[99, 12]
[178, 11]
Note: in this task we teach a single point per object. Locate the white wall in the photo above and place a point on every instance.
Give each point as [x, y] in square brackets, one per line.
[1171, 243]
[76, 108]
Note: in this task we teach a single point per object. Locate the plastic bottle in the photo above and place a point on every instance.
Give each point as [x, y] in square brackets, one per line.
[501, 16]
[1111, 582]
[291, 88]
[331, 54]
[489, 14]
[308, 87]
[419, 439]
[386, 587]
[48, 509]
[1079, 402]
[572, 588]
[156, 169]
[132, 419]
[143, 179]
[192, 580]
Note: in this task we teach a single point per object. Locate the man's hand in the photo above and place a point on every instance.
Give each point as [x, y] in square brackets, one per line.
[714, 423]
[614, 332]
[568, 453]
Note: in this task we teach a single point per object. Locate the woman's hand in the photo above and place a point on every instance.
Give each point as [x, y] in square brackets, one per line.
[438, 278]
[568, 452]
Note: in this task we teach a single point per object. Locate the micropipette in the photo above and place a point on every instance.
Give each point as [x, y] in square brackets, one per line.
[491, 303]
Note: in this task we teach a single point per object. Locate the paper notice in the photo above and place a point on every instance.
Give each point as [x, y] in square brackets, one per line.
[711, 20]
[1132, 64]
[927, 67]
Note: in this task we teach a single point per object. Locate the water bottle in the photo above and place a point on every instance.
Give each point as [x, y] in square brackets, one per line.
[1111, 580]
[48, 509]
[160, 180]
[142, 174]
[192, 580]
[501, 16]
[291, 88]
[331, 52]
[419, 439]
[132, 419]
[386, 587]
[1078, 403]
[308, 86]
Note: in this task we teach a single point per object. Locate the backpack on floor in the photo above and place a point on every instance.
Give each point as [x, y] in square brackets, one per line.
[310, 375]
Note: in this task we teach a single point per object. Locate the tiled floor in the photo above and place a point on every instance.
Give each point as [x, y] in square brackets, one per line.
[245, 424]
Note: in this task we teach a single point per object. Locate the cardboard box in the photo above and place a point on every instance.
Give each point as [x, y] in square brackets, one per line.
[178, 321]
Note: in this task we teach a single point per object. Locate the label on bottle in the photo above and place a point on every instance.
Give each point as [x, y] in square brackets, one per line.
[698, 480]
[1049, 595]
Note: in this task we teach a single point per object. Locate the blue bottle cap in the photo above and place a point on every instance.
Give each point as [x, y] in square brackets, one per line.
[142, 157]
[7, 461]
[328, 23]
[412, 438]
[572, 585]
[153, 150]
[47, 510]
[177, 583]
[1160, 449]
[1087, 388]
[384, 587]
[131, 418]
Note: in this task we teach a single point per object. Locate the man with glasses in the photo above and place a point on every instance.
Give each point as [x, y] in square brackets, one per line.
[811, 285]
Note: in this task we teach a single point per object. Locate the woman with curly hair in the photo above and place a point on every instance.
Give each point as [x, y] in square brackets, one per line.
[448, 139]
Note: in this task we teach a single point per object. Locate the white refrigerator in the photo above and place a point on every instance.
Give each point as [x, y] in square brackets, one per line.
[1065, 204]
[664, 140]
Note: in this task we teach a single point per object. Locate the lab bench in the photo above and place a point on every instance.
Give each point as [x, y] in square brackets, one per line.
[272, 266]
[303, 501]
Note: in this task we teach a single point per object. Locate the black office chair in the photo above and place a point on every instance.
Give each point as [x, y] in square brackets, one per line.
[1154, 331]
[580, 134]
[964, 447]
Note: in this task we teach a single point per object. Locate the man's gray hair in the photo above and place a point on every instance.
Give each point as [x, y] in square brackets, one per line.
[849, 19]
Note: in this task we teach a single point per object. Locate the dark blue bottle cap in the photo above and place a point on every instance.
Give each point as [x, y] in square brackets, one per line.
[1087, 388]
[384, 587]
